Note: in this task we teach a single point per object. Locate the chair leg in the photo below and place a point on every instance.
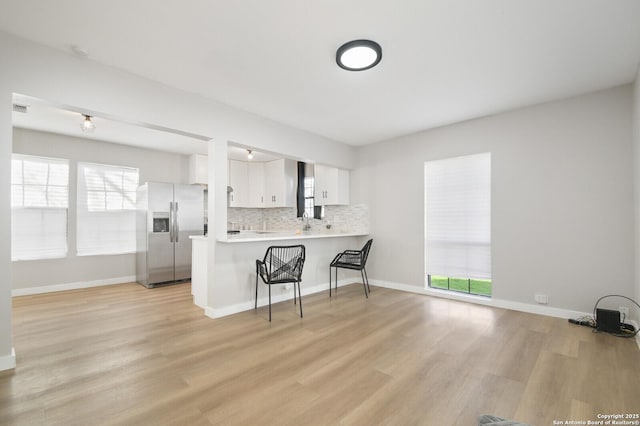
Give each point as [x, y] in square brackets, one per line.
[336, 287]
[330, 272]
[294, 293]
[300, 296]
[367, 278]
[269, 303]
[256, 307]
[364, 283]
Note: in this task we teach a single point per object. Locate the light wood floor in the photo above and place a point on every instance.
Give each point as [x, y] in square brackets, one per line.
[124, 354]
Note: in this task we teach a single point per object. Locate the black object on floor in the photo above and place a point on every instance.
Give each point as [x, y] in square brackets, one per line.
[608, 320]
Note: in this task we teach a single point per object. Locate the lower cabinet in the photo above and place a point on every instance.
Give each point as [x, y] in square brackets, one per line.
[199, 261]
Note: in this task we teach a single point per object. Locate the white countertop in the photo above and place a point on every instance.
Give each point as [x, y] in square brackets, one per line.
[252, 236]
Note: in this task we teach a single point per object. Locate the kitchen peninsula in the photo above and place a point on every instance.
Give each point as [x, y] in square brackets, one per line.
[234, 272]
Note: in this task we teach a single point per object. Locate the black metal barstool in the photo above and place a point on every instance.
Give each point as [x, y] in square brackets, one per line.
[352, 259]
[281, 265]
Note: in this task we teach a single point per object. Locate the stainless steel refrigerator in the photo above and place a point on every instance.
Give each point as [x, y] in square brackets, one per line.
[167, 214]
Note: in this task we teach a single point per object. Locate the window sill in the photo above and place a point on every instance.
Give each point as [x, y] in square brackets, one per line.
[457, 295]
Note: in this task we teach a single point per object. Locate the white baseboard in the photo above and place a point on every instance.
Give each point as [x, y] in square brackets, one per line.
[70, 286]
[635, 325]
[263, 301]
[479, 300]
[8, 362]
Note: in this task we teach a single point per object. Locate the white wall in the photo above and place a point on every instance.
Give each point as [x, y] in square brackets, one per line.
[153, 166]
[53, 75]
[562, 199]
[7, 358]
[636, 179]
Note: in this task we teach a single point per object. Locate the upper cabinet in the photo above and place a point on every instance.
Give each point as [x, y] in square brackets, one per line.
[198, 169]
[280, 179]
[331, 185]
[268, 184]
[239, 182]
[257, 197]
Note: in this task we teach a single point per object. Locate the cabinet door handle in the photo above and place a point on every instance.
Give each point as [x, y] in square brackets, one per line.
[262, 198]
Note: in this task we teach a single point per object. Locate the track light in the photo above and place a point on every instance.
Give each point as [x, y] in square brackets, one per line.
[249, 154]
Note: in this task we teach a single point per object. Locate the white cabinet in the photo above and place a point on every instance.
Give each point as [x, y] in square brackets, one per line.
[199, 262]
[239, 181]
[331, 185]
[198, 169]
[258, 185]
[280, 179]
[257, 196]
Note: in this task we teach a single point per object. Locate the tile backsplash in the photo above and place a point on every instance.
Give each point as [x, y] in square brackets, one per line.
[351, 218]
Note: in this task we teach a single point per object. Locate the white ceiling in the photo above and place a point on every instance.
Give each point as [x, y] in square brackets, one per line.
[444, 61]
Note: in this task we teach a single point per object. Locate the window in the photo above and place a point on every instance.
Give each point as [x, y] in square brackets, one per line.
[458, 223]
[106, 209]
[39, 204]
[305, 190]
[308, 196]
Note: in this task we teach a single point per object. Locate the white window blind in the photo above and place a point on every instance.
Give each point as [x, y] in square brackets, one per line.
[39, 204]
[106, 222]
[458, 217]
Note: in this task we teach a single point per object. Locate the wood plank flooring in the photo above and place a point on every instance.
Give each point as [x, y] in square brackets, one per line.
[126, 355]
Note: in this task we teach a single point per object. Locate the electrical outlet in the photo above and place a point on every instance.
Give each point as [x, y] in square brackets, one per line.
[624, 311]
[542, 299]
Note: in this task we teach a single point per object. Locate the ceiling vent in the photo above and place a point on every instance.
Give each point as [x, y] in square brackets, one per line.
[20, 108]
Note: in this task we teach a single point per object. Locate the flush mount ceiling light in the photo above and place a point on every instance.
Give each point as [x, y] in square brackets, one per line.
[359, 55]
[87, 125]
[249, 154]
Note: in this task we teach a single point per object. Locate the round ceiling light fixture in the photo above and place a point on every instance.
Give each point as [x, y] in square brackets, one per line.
[359, 55]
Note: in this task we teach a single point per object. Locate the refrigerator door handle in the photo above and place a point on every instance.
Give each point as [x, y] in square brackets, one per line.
[176, 231]
[172, 221]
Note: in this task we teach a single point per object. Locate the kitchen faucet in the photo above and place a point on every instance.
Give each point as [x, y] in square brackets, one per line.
[307, 225]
